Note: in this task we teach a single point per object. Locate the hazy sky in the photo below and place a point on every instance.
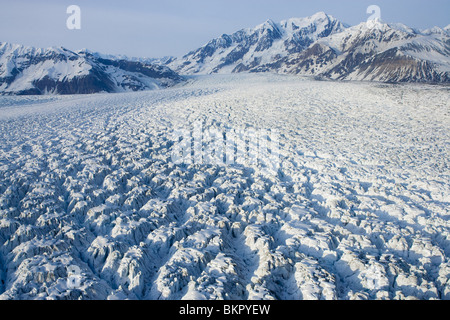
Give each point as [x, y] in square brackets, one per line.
[150, 28]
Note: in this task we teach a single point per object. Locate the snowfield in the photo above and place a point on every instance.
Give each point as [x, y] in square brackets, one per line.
[93, 207]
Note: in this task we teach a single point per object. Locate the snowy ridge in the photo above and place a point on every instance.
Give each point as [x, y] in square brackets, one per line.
[323, 47]
[319, 46]
[356, 211]
[25, 70]
[388, 53]
[157, 61]
[252, 47]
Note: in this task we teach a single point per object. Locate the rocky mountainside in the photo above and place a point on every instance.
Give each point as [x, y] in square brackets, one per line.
[320, 46]
[27, 70]
[248, 49]
[384, 52]
[324, 47]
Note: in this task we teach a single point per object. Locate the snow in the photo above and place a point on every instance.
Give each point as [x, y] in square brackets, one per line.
[428, 46]
[321, 46]
[434, 30]
[432, 50]
[318, 20]
[57, 71]
[357, 210]
[291, 31]
[21, 68]
[16, 56]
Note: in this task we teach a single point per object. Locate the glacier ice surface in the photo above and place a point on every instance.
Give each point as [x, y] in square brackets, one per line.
[357, 210]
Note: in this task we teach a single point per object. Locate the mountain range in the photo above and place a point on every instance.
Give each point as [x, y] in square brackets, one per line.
[320, 46]
[326, 48]
[35, 71]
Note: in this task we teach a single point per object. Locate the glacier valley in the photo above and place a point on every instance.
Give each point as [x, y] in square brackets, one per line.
[93, 207]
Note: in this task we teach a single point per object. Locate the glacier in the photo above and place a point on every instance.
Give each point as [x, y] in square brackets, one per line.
[93, 207]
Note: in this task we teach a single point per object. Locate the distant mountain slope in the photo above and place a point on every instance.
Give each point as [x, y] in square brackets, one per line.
[387, 53]
[27, 70]
[324, 47]
[249, 48]
[319, 46]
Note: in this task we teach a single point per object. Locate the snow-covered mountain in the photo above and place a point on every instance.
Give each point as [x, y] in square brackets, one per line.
[154, 61]
[381, 52]
[28, 70]
[319, 46]
[324, 47]
[248, 49]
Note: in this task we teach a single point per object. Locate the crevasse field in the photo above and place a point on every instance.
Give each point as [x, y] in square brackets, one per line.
[92, 206]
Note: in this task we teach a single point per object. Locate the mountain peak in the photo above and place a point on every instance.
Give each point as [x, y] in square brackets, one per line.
[323, 23]
[268, 24]
[320, 15]
[380, 26]
[434, 30]
[29, 70]
[320, 45]
[250, 47]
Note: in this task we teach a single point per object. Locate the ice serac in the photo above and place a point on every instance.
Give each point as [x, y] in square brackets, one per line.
[248, 49]
[27, 70]
[357, 209]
